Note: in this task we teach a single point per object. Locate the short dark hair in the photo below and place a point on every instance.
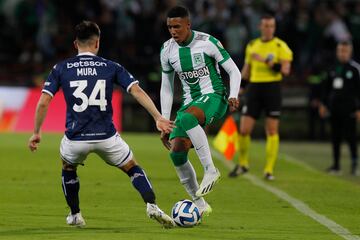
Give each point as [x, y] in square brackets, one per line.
[267, 16]
[347, 43]
[178, 11]
[86, 30]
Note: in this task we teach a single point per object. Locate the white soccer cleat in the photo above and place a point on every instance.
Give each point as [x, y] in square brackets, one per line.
[75, 220]
[208, 183]
[206, 210]
[154, 212]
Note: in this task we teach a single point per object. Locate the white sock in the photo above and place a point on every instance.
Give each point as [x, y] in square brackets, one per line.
[198, 138]
[187, 176]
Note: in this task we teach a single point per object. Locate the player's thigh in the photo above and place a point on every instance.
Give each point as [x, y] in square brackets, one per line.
[213, 105]
[272, 100]
[74, 152]
[178, 131]
[253, 101]
[114, 151]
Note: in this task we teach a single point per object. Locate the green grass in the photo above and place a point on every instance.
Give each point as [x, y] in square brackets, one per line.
[32, 205]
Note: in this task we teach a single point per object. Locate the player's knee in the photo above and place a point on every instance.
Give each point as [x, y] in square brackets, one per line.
[188, 121]
[68, 166]
[129, 165]
[179, 158]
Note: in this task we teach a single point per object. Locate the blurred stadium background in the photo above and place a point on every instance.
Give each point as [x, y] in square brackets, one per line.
[35, 34]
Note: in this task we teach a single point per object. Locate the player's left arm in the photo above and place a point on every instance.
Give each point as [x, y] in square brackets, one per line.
[235, 80]
[162, 124]
[221, 56]
[40, 114]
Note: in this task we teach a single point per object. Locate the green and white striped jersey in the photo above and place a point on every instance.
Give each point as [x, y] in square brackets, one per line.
[196, 64]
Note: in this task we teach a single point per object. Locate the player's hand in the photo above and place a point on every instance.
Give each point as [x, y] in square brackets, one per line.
[164, 125]
[233, 104]
[165, 140]
[257, 57]
[322, 111]
[33, 142]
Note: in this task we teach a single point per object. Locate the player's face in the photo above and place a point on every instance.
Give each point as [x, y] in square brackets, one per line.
[344, 53]
[267, 28]
[179, 28]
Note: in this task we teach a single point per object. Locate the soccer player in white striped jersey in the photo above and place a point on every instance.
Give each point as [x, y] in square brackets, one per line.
[195, 57]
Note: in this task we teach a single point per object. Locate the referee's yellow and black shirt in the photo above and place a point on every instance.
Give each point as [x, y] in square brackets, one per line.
[276, 49]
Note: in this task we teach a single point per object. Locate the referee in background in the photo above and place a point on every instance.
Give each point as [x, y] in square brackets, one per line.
[267, 60]
[341, 101]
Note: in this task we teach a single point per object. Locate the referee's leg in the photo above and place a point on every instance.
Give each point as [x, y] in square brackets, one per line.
[272, 144]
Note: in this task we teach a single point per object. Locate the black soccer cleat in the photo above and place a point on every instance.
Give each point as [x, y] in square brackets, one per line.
[269, 177]
[334, 170]
[238, 170]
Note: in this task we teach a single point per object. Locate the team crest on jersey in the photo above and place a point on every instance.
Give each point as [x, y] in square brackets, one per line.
[349, 74]
[197, 58]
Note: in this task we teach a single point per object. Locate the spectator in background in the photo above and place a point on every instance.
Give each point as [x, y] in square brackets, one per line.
[341, 100]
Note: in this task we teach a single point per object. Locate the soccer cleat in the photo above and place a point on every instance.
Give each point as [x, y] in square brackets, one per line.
[208, 183]
[206, 210]
[334, 171]
[269, 177]
[154, 212]
[354, 171]
[238, 170]
[75, 220]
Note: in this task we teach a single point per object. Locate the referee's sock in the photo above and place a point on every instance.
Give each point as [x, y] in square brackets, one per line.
[244, 145]
[272, 150]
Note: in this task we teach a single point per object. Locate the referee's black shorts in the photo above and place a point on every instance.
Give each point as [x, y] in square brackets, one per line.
[263, 96]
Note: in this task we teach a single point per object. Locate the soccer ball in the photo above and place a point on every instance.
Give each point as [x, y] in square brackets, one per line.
[185, 213]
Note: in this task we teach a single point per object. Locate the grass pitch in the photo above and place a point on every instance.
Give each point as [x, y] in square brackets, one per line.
[32, 205]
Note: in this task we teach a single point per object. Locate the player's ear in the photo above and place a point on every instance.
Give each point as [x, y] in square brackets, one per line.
[75, 44]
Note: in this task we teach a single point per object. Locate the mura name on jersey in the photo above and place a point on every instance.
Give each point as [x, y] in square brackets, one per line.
[193, 77]
[86, 68]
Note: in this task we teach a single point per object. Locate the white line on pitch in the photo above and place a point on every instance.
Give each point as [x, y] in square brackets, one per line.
[296, 203]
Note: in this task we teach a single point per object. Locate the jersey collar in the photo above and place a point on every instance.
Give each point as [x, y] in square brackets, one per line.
[86, 53]
[188, 41]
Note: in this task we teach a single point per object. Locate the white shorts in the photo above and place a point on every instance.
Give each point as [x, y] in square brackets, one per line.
[113, 150]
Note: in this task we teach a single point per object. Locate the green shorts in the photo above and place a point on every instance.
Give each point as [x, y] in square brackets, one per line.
[213, 105]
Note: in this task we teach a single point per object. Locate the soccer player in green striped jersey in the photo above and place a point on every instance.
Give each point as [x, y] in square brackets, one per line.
[195, 57]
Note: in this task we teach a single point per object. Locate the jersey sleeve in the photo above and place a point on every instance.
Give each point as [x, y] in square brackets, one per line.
[124, 78]
[164, 59]
[218, 51]
[285, 52]
[52, 83]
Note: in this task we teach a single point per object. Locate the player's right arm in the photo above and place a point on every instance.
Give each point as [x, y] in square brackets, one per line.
[166, 90]
[167, 83]
[127, 81]
[162, 124]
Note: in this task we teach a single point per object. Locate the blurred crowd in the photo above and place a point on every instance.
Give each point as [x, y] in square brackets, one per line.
[35, 34]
